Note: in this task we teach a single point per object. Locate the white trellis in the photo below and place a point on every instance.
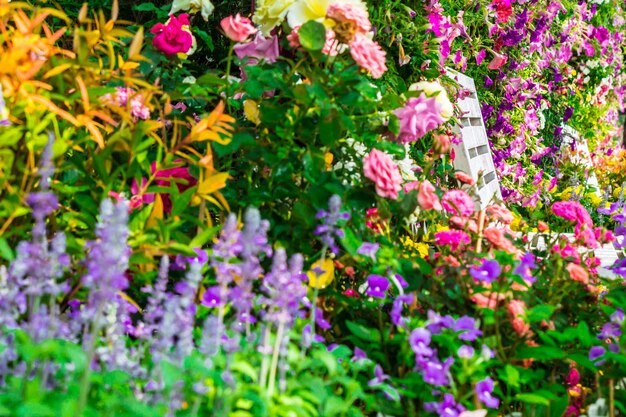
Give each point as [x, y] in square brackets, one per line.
[473, 154]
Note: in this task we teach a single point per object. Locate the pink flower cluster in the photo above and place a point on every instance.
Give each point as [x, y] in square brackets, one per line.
[419, 116]
[452, 238]
[172, 37]
[380, 168]
[517, 310]
[121, 98]
[458, 202]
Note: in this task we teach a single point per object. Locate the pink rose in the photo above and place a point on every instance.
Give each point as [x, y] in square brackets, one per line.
[427, 198]
[352, 14]
[578, 273]
[172, 37]
[419, 116]
[238, 28]
[497, 61]
[368, 55]
[458, 202]
[378, 167]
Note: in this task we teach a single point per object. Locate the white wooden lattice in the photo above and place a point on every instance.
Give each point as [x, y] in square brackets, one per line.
[473, 154]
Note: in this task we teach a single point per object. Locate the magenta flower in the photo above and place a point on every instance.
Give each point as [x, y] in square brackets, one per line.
[377, 286]
[452, 238]
[419, 116]
[172, 37]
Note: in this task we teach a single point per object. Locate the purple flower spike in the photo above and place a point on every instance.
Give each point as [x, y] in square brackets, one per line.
[378, 285]
[484, 389]
[487, 272]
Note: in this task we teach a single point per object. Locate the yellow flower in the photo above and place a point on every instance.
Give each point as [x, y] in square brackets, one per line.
[321, 273]
[515, 224]
[594, 199]
[420, 247]
[303, 11]
[270, 13]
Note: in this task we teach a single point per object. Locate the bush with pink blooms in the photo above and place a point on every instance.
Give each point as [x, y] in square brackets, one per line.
[251, 208]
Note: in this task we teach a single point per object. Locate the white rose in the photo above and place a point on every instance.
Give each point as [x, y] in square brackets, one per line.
[432, 88]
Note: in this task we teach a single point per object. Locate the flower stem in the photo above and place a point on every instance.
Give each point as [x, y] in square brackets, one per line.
[279, 337]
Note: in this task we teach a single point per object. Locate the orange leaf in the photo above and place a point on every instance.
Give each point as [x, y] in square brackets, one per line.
[157, 211]
[213, 183]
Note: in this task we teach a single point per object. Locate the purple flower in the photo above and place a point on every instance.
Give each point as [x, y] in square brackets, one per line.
[377, 286]
[526, 264]
[437, 322]
[467, 326]
[595, 353]
[259, 48]
[618, 316]
[487, 272]
[379, 376]
[436, 373]
[211, 297]
[420, 341]
[609, 330]
[368, 249]
[358, 355]
[182, 261]
[446, 408]
[396, 309]
[466, 352]
[484, 390]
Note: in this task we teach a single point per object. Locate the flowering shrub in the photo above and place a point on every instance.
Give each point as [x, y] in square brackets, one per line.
[252, 209]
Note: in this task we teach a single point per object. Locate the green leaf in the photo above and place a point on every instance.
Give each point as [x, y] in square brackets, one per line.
[312, 35]
[350, 242]
[532, 399]
[541, 353]
[512, 375]
[5, 250]
[362, 332]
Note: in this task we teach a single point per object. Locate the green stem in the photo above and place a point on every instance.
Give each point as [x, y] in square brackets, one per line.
[275, 354]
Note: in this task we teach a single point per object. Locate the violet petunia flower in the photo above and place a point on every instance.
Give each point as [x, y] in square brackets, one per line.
[420, 341]
[487, 272]
[595, 353]
[377, 286]
[484, 390]
[467, 326]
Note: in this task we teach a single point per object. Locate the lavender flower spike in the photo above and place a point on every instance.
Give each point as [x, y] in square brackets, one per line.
[330, 227]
